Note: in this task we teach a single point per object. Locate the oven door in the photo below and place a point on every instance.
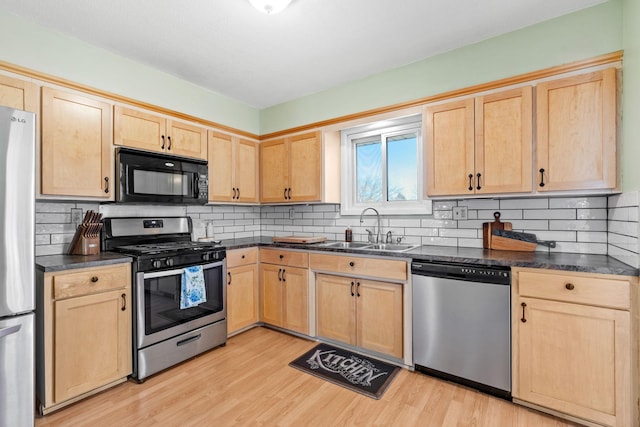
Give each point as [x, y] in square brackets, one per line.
[159, 316]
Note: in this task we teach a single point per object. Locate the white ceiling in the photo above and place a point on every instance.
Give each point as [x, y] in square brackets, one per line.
[229, 47]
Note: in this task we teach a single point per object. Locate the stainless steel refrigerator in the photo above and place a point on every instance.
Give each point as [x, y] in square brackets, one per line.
[17, 278]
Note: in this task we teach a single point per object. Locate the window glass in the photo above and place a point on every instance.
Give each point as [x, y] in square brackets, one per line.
[402, 167]
[368, 171]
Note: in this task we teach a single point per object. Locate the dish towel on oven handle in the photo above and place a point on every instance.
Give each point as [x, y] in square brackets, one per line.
[193, 291]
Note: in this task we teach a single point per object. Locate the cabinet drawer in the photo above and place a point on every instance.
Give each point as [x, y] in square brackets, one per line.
[238, 257]
[281, 257]
[360, 266]
[597, 290]
[90, 281]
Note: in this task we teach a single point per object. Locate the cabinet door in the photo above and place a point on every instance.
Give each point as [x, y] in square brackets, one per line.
[576, 132]
[504, 141]
[574, 359]
[379, 320]
[271, 309]
[76, 145]
[18, 94]
[220, 167]
[336, 309]
[137, 129]
[92, 342]
[305, 167]
[296, 299]
[274, 171]
[242, 297]
[246, 171]
[188, 140]
[449, 133]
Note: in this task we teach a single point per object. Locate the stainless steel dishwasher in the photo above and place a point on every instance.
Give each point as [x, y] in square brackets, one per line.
[462, 324]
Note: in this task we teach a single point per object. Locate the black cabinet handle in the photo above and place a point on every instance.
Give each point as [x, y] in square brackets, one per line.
[352, 294]
[238, 193]
[285, 194]
[283, 272]
[169, 146]
[281, 256]
[358, 289]
[162, 136]
[470, 182]
[234, 193]
[242, 256]
[106, 184]
[229, 276]
[94, 279]
[351, 263]
[541, 177]
[279, 275]
[479, 187]
[289, 191]
[523, 320]
[569, 286]
[124, 302]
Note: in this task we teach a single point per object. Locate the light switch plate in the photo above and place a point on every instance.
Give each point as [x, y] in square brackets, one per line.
[460, 213]
[292, 213]
[76, 215]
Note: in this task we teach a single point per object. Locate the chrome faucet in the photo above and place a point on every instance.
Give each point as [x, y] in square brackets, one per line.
[379, 231]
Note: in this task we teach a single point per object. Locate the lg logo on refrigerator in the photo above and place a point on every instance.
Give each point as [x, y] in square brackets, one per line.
[17, 119]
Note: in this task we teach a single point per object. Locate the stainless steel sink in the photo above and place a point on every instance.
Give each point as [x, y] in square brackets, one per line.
[347, 245]
[392, 247]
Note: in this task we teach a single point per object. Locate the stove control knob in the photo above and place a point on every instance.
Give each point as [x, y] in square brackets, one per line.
[207, 256]
[169, 261]
[156, 263]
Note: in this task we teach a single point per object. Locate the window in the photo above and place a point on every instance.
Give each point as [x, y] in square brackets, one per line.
[382, 168]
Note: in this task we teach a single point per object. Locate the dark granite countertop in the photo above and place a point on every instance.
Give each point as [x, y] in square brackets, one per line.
[557, 261]
[49, 263]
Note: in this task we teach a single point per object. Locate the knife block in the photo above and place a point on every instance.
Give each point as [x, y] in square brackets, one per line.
[84, 244]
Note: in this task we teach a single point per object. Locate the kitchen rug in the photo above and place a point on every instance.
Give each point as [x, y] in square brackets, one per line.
[370, 377]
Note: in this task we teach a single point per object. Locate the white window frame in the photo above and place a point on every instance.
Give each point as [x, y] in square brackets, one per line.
[349, 206]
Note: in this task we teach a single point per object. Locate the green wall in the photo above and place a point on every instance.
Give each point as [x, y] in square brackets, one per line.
[631, 97]
[40, 49]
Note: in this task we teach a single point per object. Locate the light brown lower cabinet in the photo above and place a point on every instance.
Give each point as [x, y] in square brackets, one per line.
[85, 340]
[242, 289]
[359, 312]
[574, 345]
[284, 289]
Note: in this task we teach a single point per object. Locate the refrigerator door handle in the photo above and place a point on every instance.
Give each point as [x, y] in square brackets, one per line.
[10, 330]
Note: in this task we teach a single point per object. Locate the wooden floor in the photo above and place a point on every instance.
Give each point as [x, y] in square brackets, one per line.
[249, 383]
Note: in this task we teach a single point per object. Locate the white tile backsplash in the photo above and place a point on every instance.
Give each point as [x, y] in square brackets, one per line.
[593, 225]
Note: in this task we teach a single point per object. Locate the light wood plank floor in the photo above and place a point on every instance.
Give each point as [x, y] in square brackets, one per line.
[249, 383]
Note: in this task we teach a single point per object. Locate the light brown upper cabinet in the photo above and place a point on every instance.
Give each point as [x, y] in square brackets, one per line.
[291, 169]
[480, 145]
[139, 129]
[233, 169]
[18, 94]
[576, 132]
[76, 146]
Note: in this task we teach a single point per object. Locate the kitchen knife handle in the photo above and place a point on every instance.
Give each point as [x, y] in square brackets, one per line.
[541, 177]
[479, 187]
[470, 183]
[106, 184]
[162, 136]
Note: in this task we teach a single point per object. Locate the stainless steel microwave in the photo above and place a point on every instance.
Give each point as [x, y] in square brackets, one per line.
[145, 177]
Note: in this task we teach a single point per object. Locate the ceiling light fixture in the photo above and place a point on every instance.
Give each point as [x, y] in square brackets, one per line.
[270, 7]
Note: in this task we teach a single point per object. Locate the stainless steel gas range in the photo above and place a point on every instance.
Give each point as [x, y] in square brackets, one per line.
[168, 328]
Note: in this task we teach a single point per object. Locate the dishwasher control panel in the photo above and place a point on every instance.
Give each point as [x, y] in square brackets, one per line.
[473, 273]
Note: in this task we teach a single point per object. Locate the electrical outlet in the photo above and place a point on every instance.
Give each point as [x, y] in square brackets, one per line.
[292, 213]
[76, 215]
[460, 213]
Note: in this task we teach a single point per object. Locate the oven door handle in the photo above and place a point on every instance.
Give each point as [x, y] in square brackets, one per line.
[165, 273]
